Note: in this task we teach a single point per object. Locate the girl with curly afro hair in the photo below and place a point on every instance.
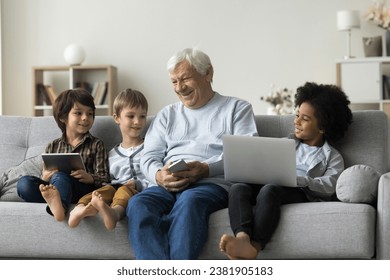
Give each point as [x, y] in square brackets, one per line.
[322, 118]
[330, 108]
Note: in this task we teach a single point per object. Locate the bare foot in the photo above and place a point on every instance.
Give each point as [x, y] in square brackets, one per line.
[109, 215]
[80, 212]
[238, 248]
[52, 197]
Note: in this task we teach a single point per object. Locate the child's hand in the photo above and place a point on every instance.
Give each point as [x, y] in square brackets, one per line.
[46, 174]
[130, 184]
[83, 176]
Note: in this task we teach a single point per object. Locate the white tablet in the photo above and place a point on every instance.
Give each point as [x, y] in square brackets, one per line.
[65, 162]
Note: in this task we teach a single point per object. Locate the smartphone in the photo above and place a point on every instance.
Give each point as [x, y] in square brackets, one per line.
[177, 166]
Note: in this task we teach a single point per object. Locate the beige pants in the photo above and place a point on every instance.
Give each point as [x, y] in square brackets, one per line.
[111, 196]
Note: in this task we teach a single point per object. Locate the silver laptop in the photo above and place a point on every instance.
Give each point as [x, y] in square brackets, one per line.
[260, 160]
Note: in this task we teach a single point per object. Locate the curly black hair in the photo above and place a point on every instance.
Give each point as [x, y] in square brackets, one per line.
[331, 108]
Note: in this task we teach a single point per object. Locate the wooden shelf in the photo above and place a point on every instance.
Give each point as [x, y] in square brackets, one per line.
[362, 80]
[61, 78]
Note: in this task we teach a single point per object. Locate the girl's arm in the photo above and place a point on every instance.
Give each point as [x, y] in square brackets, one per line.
[325, 184]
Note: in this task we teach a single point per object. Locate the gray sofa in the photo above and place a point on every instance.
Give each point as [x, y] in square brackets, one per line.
[321, 230]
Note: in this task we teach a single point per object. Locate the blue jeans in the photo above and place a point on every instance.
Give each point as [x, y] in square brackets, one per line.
[70, 189]
[165, 225]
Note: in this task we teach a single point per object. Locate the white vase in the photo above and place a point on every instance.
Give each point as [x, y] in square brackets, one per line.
[271, 111]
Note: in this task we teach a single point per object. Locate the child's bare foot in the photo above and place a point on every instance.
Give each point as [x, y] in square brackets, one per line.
[237, 248]
[109, 215]
[52, 197]
[80, 212]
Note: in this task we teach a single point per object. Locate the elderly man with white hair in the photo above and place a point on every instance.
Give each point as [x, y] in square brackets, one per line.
[170, 219]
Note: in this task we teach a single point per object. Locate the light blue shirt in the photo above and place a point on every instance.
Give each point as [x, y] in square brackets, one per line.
[305, 156]
[318, 169]
[178, 132]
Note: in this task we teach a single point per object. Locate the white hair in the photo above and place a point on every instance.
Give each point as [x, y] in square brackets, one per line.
[198, 59]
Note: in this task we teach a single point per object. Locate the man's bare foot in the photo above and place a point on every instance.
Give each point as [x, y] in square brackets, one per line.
[51, 195]
[80, 212]
[238, 248]
[109, 215]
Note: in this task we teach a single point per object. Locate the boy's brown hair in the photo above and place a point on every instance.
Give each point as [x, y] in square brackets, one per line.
[65, 102]
[129, 97]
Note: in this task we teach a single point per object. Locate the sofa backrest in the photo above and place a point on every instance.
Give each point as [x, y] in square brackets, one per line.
[25, 137]
[366, 141]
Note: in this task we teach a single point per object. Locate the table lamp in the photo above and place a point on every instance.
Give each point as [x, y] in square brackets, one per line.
[346, 20]
[74, 54]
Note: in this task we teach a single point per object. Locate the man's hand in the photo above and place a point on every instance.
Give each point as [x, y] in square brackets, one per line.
[198, 170]
[178, 181]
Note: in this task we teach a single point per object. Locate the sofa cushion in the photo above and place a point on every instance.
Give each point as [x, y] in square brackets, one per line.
[358, 184]
[9, 179]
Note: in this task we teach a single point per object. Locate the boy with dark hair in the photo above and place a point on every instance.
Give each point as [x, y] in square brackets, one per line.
[74, 112]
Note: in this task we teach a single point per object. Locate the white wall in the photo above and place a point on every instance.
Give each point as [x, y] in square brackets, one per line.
[252, 43]
[1, 84]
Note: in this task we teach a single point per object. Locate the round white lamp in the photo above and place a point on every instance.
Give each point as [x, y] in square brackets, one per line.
[74, 54]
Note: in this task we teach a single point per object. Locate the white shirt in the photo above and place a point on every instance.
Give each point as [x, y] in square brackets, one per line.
[125, 165]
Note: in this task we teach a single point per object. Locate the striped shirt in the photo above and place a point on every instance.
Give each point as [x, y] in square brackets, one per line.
[92, 152]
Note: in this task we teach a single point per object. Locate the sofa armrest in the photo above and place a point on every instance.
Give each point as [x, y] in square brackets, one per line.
[383, 218]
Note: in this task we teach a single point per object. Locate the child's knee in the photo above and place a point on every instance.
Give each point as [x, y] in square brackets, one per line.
[268, 192]
[61, 175]
[133, 205]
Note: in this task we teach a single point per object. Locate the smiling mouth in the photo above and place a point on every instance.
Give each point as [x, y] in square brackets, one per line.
[185, 94]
